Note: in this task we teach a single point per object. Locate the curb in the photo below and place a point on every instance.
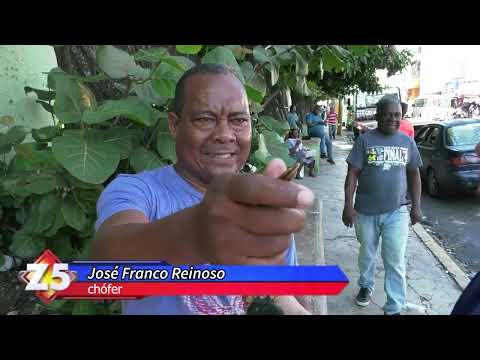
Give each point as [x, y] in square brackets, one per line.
[319, 303]
[441, 255]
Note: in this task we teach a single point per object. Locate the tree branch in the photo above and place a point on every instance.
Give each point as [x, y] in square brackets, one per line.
[271, 97]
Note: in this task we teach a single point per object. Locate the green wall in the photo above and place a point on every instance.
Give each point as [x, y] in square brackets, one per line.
[20, 66]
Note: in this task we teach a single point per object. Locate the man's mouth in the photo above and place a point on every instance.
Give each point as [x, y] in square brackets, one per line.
[221, 155]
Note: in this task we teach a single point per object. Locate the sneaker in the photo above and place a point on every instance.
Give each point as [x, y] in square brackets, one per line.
[323, 156]
[331, 161]
[363, 297]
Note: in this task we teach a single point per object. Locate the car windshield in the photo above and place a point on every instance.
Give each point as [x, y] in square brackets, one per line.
[467, 134]
[420, 102]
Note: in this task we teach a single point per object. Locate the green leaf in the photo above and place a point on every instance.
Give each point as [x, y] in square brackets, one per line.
[57, 224]
[2, 258]
[274, 72]
[247, 71]
[277, 147]
[7, 120]
[30, 158]
[358, 50]
[141, 159]
[253, 94]
[16, 134]
[282, 49]
[223, 55]
[25, 245]
[88, 199]
[46, 106]
[165, 80]
[73, 214]
[45, 134]
[239, 52]
[43, 95]
[180, 62]
[151, 55]
[301, 65]
[114, 62]
[51, 77]
[122, 138]
[340, 51]
[262, 155]
[261, 55]
[5, 145]
[72, 98]
[62, 247]
[84, 307]
[36, 184]
[42, 214]
[255, 86]
[165, 142]
[75, 183]
[189, 49]
[280, 127]
[147, 94]
[331, 62]
[132, 108]
[156, 55]
[88, 158]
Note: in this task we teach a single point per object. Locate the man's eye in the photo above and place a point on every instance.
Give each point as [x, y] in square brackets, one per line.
[204, 121]
[239, 121]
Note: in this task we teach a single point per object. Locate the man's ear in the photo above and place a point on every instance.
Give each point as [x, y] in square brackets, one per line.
[173, 123]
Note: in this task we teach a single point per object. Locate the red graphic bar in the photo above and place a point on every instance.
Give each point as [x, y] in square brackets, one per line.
[140, 289]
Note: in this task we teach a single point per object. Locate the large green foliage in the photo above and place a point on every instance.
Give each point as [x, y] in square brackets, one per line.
[49, 190]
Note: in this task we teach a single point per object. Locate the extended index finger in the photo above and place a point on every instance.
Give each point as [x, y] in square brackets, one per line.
[263, 190]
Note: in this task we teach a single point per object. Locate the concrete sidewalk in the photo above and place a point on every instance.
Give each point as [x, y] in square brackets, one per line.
[430, 289]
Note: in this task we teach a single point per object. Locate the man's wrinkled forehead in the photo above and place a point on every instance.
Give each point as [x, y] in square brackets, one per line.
[216, 92]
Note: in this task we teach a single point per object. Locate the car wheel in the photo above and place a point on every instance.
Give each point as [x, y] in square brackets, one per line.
[433, 186]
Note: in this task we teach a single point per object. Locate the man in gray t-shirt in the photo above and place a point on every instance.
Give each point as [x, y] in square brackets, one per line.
[384, 163]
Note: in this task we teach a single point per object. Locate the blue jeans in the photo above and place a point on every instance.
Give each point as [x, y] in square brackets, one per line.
[392, 227]
[332, 131]
[324, 140]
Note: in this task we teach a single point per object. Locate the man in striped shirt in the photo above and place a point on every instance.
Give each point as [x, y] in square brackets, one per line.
[332, 123]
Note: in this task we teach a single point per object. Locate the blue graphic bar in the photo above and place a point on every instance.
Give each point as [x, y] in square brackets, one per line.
[158, 271]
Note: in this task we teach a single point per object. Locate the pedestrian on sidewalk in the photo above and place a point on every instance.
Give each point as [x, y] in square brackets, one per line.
[316, 128]
[292, 117]
[332, 123]
[406, 126]
[385, 163]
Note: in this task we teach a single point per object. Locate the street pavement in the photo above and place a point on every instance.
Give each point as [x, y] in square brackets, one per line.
[430, 289]
[455, 221]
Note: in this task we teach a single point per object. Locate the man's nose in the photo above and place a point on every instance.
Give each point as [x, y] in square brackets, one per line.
[223, 131]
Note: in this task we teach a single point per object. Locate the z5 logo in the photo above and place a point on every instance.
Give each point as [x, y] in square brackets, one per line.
[39, 271]
[47, 276]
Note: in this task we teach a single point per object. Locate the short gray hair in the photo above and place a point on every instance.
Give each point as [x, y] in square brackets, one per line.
[209, 68]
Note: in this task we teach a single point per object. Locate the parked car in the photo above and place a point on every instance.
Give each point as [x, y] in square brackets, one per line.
[450, 163]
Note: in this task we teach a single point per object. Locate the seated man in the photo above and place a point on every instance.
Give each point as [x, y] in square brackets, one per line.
[201, 210]
[300, 153]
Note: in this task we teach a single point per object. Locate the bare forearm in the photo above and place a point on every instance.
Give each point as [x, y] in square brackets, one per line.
[415, 187]
[167, 240]
[350, 187]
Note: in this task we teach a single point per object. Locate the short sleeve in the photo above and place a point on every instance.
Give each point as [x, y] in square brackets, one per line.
[126, 192]
[415, 160]
[356, 156]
